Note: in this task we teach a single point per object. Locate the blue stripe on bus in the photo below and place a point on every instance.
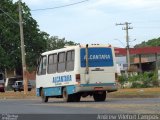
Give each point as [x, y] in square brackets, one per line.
[52, 91]
[56, 91]
[70, 89]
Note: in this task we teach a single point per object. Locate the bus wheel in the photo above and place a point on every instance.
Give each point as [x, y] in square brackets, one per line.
[14, 90]
[43, 97]
[66, 97]
[3, 90]
[99, 96]
[77, 97]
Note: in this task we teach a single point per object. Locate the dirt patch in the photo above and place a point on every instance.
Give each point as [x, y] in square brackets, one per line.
[17, 95]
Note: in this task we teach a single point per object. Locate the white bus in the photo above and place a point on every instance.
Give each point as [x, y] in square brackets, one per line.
[76, 71]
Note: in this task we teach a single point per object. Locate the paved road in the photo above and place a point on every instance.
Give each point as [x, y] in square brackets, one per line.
[86, 106]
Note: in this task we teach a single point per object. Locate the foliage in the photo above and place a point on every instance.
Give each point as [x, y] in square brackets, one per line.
[55, 43]
[141, 80]
[122, 79]
[152, 42]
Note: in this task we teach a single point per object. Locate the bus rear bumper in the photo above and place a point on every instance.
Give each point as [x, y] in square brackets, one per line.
[109, 87]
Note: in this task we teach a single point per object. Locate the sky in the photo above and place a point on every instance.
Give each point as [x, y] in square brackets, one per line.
[93, 21]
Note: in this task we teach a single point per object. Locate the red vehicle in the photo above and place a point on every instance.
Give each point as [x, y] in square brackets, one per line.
[2, 87]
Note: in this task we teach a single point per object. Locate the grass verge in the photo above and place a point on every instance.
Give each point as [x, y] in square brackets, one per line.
[135, 93]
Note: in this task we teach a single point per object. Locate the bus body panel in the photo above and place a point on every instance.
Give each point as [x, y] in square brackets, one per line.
[55, 80]
[56, 91]
[98, 78]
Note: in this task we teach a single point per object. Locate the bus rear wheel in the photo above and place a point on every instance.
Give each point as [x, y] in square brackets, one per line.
[67, 97]
[14, 90]
[76, 97]
[43, 97]
[99, 96]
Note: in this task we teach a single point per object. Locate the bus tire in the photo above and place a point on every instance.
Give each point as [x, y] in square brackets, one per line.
[77, 97]
[3, 90]
[14, 90]
[66, 97]
[43, 97]
[99, 96]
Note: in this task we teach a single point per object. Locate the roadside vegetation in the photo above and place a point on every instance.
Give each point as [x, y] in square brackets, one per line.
[139, 80]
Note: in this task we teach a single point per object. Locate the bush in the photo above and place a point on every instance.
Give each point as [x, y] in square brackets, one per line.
[122, 79]
[136, 85]
[141, 80]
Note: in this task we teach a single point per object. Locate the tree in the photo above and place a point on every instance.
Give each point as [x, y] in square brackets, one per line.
[55, 43]
[8, 34]
[35, 40]
[152, 42]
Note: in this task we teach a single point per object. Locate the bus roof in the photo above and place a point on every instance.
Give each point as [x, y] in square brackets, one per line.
[73, 47]
[60, 50]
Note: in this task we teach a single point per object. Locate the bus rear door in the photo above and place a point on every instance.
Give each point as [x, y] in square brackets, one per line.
[101, 68]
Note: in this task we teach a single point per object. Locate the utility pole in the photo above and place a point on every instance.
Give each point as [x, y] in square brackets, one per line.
[25, 82]
[127, 40]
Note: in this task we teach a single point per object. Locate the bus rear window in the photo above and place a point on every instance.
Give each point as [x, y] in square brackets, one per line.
[97, 57]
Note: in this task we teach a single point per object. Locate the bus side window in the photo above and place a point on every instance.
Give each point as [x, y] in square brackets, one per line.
[61, 62]
[70, 61]
[42, 66]
[52, 63]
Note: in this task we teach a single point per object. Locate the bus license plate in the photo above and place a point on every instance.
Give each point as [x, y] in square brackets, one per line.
[98, 88]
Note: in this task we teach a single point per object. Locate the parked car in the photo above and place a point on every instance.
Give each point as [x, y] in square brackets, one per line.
[10, 81]
[2, 80]
[18, 86]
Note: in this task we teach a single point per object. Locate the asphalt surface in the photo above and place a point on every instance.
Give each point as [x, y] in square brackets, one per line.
[86, 106]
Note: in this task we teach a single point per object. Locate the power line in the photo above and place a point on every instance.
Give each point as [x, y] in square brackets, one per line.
[62, 6]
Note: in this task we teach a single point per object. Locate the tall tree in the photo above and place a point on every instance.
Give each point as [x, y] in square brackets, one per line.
[35, 40]
[8, 33]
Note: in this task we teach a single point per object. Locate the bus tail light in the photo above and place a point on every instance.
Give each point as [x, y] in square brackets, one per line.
[78, 78]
